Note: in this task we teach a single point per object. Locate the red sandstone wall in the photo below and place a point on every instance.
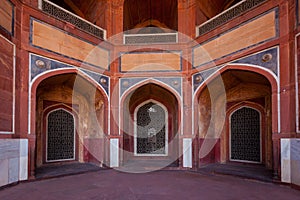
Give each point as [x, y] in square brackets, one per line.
[7, 76]
[297, 68]
[186, 23]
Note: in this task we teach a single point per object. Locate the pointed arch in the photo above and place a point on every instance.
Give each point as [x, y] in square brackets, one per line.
[273, 79]
[33, 85]
[140, 84]
[47, 74]
[211, 123]
[153, 81]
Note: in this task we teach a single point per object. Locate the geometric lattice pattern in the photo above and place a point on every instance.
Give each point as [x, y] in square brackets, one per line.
[245, 135]
[228, 15]
[59, 13]
[60, 138]
[151, 129]
[150, 39]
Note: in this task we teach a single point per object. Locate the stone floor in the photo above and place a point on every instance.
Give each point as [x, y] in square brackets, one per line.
[111, 184]
[244, 170]
[255, 172]
[164, 184]
[57, 170]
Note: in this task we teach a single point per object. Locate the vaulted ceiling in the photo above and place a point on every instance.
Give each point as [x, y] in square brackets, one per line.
[73, 82]
[158, 13]
[145, 13]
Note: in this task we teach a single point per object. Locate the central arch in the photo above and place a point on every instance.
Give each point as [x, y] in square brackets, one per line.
[134, 108]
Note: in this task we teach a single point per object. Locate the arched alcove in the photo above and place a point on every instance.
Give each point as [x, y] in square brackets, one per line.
[241, 89]
[167, 124]
[59, 97]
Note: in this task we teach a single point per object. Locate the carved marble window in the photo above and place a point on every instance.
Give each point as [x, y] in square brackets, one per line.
[60, 136]
[150, 130]
[245, 139]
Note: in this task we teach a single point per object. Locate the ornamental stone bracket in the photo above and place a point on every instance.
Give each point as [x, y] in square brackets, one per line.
[267, 59]
[40, 65]
[173, 82]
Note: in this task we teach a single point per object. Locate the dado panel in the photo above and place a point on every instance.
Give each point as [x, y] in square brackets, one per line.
[154, 61]
[248, 34]
[53, 39]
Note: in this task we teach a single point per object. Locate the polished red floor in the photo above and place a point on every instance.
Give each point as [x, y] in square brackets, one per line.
[111, 184]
